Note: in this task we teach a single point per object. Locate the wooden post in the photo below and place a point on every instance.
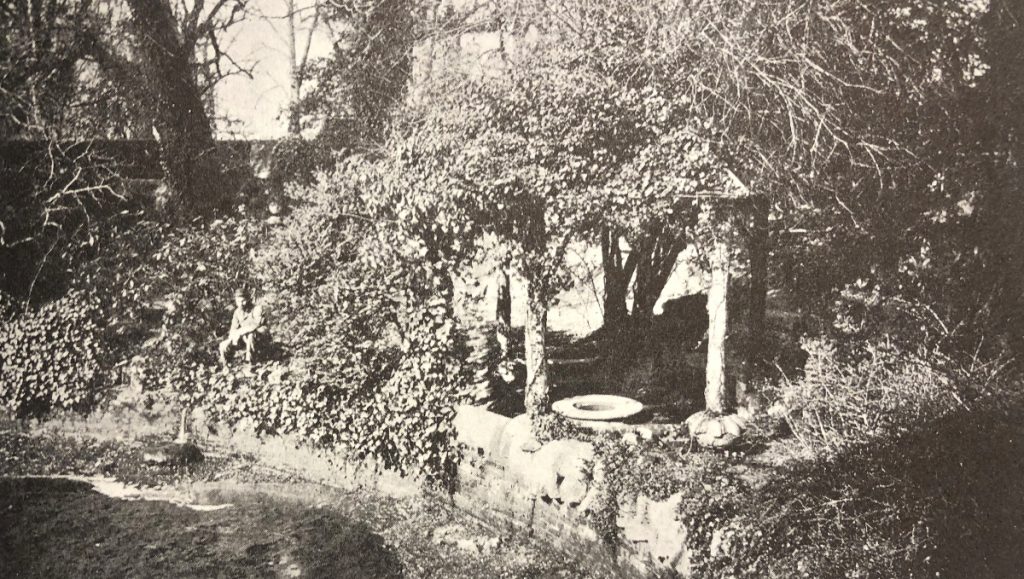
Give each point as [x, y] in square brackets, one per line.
[758, 290]
[478, 361]
[718, 327]
[183, 425]
[537, 394]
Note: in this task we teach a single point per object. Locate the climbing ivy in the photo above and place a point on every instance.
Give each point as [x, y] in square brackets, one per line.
[51, 358]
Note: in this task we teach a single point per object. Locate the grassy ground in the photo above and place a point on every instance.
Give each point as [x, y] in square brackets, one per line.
[52, 527]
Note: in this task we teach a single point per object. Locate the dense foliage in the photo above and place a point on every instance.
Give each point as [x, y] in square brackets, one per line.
[367, 75]
[921, 492]
[941, 501]
[365, 309]
[53, 357]
[892, 220]
[173, 305]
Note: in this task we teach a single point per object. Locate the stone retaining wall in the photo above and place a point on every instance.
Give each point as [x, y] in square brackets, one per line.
[286, 453]
[556, 489]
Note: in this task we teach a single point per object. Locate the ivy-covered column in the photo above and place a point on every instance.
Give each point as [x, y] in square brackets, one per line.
[478, 361]
[537, 394]
[717, 426]
[718, 326]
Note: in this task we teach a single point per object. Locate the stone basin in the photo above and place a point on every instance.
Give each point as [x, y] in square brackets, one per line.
[598, 407]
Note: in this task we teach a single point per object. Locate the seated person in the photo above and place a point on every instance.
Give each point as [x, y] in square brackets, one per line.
[247, 329]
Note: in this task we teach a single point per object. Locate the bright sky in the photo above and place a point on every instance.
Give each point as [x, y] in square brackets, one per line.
[257, 104]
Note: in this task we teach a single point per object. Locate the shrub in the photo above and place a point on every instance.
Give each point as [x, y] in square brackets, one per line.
[169, 290]
[944, 500]
[50, 358]
[297, 160]
[371, 355]
[319, 236]
[408, 422]
[393, 404]
[844, 401]
[369, 323]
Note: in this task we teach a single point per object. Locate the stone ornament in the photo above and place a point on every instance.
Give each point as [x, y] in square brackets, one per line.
[713, 430]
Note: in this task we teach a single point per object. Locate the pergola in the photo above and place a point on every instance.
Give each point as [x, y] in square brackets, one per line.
[736, 224]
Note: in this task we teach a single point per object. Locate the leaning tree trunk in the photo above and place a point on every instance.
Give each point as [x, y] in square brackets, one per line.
[537, 390]
[187, 148]
[655, 264]
[715, 395]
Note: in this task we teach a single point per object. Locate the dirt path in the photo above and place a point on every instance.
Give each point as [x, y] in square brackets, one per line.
[63, 528]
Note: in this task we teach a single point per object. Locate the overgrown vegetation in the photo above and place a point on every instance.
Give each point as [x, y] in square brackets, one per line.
[56, 198]
[53, 357]
[366, 348]
[882, 394]
[892, 466]
[873, 132]
[941, 500]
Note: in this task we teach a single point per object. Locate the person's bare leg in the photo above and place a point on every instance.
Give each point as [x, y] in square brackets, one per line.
[223, 349]
[248, 341]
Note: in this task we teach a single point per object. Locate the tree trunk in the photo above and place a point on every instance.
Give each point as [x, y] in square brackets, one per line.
[616, 279]
[188, 151]
[718, 329]
[537, 392]
[655, 264]
[294, 115]
[503, 315]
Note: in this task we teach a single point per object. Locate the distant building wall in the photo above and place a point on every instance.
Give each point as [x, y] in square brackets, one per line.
[134, 158]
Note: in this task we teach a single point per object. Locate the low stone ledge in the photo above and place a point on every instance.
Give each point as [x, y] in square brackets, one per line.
[550, 489]
[286, 453]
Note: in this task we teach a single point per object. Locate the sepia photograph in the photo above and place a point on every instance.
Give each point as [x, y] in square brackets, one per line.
[471, 289]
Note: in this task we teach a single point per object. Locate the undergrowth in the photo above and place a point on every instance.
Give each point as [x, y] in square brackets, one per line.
[932, 491]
